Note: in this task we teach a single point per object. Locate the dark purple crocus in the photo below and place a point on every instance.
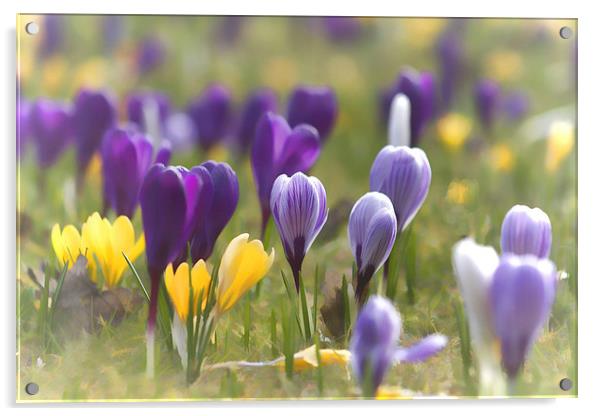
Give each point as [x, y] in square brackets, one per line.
[526, 231]
[521, 295]
[404, 175]
[51, 129]
[149, 110]
[257, 103]
[278, 149]
[419, 90]
[316, 106]
[23, 125]
[151, 54]
[93, 115]
[515, 105]
[372, 230]
[486, 101]
[223, 205]
[451, 59]
[211, 113]
[298, 204]
[375, 346]
[172, 199]
[126, 157]
[342, 28]
[53, 37]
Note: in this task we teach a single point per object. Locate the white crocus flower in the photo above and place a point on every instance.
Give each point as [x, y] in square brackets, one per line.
[399, 121]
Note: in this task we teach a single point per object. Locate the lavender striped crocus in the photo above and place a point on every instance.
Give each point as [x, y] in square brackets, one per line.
[94, 114]
[371, 232]
[313, 105]
[149, 110]
[526, 231]
[257, 103]
[172, 199]
[51, 129]
[298, 204]
[211, 113]
[375, 344]
[404, 175]
[486, 100]
[522, 293]
[278, 149]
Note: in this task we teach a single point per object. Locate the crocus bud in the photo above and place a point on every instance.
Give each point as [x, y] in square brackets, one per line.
[298, 204]
[223, 205]
[526, 231]
[149, 110]
[94, 114]
[515, 105]
[486, 99]
[316, 106]
[404, 175]
[278, 149]
[164, 153]
[372, 230]
[258, 103]
[522, 294]
[211, 113]
[52, 130]
[342, 28]
[451, 59]
[150, 55]
[399, 121]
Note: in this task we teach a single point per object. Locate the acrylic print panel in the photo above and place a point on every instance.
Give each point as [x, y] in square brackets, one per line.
[229, 207]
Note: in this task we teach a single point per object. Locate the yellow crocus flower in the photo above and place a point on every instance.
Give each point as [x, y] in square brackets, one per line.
[502, 158]
[453, 130]
[561, 140]
[67, 244]
[178, 286]
[243, 264]
[307, 358]
[458, 192]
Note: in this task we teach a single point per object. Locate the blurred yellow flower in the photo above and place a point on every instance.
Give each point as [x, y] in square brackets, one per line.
[218, 153]
[92, 73]
[458, 192]
[343, 72]
[53, 74]
[178, 286]
[67, 244]
[243, 264]
[453, 130]
[390, 393]
[107, 243]
[503, 65]
[420, 33]
[279, 73]
[502, 158]
[307, 358]
[94, 170]
[561, 139]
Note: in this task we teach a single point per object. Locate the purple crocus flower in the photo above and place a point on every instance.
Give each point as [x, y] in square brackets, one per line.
[526, 231]
[522, 293]
[172, 199]
[450, 55]
[149, 110]
[23, 125]
[257, 103]
[515, 105]
[211, 113]
[316, 106]
[375, 347]
[53, 37]
[229, 29]
[151, 54]
[94, 114]
[486, 100]
[278, 149]
[404, 175]
[419, 90]
[298, 204]
[223, 205]
[112, 31]
[51, 129]
[342, 28]
[372, 230]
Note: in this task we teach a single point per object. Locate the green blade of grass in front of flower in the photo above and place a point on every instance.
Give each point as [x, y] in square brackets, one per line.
[462, 328]
[287, 339]
[304, 312]
[246, 337]
[57, 292]
[43, 312]
[292, 296]
[267, 239]
[409, 261]
[346, 307]
[137, 276]
[273, 333]
[315, 301]
[319, 375]
[165, 315]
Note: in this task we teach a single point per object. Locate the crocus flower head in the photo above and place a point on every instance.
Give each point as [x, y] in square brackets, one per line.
[516, 105]
[149, 110]
[486, 99]
[257, 103]
[404, 175]
[316, 106]
[244, 263]
[399, 121]
[453, 129]
[451, 58]
[67, 244]
[151, 54]
[52, 130]
[526, 231]
[223, 205]
[211, 113]
[94, 114]
[111, 26]
[23, 125]
[298, 204]
[278, 149]
[52, 35]
[178, 286]
[372, 231]
[521, 294]
[342, 28]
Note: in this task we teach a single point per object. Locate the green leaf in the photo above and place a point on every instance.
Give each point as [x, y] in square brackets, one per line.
[137, 276]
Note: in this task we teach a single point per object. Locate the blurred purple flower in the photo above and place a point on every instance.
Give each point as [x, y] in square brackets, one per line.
[94, 113]
[515, 105]
[522, 293]
[298, 204]
[180, 131]
[526, 231]
[486, 99]
[342, 28]
[316, 106]
[451, 58]
[211, 113]
[278, 149]
[372, 230]
[258, 102]
[23, 125]
[151, 54]
[429, 94]
[404, 175]
[51, 129]
[149, 110]
[112, 31]
[53, 36]
[228, 30]
[375, 347]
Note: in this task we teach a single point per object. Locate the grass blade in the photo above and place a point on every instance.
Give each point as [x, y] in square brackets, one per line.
[137, 276]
